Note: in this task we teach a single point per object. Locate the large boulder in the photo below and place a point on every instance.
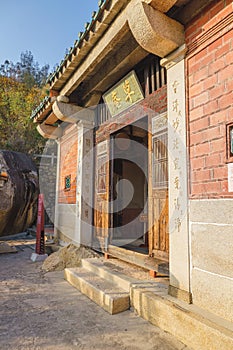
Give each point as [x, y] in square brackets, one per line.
[19, 188]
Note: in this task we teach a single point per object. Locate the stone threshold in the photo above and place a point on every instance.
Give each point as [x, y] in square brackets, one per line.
[149, 263]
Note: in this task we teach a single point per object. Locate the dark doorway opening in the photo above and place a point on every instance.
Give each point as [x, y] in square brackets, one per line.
[129, 187]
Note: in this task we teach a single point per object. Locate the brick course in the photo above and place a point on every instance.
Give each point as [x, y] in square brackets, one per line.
[68, 166]
[210, 100]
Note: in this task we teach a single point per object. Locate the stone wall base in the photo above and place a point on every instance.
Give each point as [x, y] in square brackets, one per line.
[180, 294]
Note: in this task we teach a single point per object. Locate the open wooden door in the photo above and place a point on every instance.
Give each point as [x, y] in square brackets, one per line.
[159, 215]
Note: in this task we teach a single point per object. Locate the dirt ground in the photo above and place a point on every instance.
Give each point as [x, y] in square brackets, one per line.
[42, 311]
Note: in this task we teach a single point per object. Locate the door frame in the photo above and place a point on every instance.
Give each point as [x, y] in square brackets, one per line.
[111, 171]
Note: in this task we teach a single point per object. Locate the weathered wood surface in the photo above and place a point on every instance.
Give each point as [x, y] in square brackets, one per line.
[19, 188]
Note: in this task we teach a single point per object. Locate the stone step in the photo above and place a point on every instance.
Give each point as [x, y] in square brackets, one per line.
[195, 327]
[105, 293]
[98, 266]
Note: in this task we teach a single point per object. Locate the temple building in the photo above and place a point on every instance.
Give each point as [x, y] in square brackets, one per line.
[141, 108]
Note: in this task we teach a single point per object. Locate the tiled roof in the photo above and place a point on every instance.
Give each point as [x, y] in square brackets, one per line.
[78, 43]
[41, 107]
[68, 57]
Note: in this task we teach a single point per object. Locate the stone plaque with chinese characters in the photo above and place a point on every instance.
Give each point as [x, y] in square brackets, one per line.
[124, 94]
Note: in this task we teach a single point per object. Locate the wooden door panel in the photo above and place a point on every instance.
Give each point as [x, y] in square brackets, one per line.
[159, 220]
[101, 210]
[101, 217]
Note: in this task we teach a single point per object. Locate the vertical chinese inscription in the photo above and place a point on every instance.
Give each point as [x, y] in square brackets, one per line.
[177, 152]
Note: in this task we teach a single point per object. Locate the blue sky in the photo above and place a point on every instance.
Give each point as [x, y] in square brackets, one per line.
[44, 27]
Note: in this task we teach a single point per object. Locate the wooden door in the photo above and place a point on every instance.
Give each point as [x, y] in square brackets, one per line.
[101, 208]
[160, 228]
[159, 219]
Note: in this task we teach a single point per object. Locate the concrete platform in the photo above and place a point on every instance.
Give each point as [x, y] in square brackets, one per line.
[105, 293]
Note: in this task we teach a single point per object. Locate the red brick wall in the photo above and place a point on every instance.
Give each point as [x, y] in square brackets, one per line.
[210, 98]
[68, 165]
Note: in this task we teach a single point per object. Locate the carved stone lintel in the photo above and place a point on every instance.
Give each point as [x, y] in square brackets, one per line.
[161, 5]
[62, 98]
[153, 30]
[175, 57]
[72, 114]
[49, 131]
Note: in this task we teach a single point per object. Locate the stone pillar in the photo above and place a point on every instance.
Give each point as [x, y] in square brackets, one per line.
[56, 213]
[179, 256]
[83, 229]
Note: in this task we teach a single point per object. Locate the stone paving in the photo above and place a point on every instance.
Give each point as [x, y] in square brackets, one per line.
[42, 311]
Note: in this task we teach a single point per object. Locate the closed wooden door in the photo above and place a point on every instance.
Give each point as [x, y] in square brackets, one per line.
[101, 208]
[159, 232]
[160, 227]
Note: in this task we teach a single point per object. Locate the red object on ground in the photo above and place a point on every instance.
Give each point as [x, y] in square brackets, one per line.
[153, 273]
[106, 256]
[40, 243]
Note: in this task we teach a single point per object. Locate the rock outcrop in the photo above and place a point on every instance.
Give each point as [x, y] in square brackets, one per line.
[19, 188]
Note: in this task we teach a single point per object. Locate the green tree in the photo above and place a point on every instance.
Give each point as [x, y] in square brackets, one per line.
[21, 90]
[26, 71]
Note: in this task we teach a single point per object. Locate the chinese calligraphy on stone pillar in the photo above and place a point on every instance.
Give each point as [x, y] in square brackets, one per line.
[177, 136]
